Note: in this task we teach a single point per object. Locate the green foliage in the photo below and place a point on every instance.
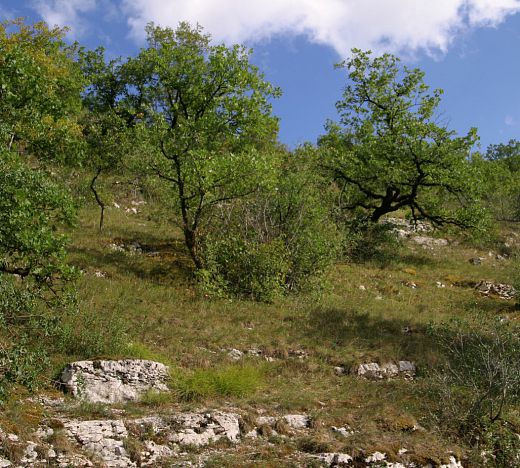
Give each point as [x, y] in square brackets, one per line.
[388, 153]
[281, 239]
[480, 379]
[233, 380]
[21, 363]
[501, 184]
[40, 88]
[366, 241]
[201, 110]
[86, 336]
[31, 209]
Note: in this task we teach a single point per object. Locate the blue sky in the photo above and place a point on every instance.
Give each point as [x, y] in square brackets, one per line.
[470, 48]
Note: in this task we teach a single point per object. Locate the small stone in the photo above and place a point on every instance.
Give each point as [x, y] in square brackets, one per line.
[475, 260]
[370, 371]
[389, 370]
[440, 285]
[344, 431]
[235, 354]
[362, 288]
[335, 459]
[340, 371]
[4, 463]
[376, 457]
[407, 368]
[297, 421]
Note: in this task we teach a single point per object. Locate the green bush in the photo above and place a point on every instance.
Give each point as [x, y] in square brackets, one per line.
[479, 382]
[281, 239]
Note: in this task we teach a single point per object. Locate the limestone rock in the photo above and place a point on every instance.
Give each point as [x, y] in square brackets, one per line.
[376, 457]
[501, 290]
[429, 241]
[202, 429]
[374, 371]
[103, 439]
[297, 421]
[370, 371]
[335, 459]
[114, 381]
[4, 463]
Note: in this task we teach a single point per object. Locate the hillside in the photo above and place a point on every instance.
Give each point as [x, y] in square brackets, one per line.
[299, 355]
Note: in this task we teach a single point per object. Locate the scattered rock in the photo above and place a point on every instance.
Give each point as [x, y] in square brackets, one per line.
[154, 452]
[500, 257]
[297, 421]
[102, 439]
[453, 463]
[4, 463]
[114, 381]
[334, 459]
[410, 284]
[340, 371]
[476, 260]
[235, 354]
[429, 241]
[201, 429]
[407, 369]
[376, 457]
[345, 431]
[440, 284]
[404, 228]
[374, 371]
[503, 291]
[370, 371]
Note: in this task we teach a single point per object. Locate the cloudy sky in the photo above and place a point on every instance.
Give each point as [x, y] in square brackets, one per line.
[470, 48]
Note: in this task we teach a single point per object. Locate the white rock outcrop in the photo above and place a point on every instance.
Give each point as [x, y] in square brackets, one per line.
[114, 381]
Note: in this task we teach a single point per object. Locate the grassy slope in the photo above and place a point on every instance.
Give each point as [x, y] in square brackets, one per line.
[153, 300]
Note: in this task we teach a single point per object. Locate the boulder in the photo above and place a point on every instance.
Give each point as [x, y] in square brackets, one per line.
[114, 381]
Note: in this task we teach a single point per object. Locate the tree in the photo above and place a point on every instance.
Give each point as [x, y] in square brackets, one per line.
[40, 86]
[204, 116]
[107, 121]
[388, 153]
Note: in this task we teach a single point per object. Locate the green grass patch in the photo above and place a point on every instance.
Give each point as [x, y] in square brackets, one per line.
[230, 381]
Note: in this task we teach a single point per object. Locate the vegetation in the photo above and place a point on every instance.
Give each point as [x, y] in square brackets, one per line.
[231, 232]
[390, 154]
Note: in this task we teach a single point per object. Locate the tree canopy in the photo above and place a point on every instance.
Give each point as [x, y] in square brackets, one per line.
[388, 152]
[202, 112]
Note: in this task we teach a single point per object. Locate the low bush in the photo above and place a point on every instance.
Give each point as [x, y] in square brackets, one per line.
[282, 239]
[478, 384]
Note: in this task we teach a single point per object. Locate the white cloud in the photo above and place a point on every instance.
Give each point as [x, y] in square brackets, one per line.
[404, 26]
[65, 13]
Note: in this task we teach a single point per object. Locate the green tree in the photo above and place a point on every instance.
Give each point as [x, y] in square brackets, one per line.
[40, 86]
[388, 152]
[501, 165]
[107, 121]
[204, 116]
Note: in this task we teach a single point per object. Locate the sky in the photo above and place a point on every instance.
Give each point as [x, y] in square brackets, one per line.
[469, 48]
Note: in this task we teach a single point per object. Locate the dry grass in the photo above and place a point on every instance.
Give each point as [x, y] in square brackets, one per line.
[166, 318]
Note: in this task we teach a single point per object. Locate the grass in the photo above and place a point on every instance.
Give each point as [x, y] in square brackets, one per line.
[147, 306]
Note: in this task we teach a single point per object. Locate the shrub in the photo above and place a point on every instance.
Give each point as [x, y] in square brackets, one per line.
[279, 240]
[479, 380]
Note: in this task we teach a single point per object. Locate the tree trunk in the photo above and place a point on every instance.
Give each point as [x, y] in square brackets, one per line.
[191, 239]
